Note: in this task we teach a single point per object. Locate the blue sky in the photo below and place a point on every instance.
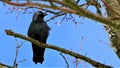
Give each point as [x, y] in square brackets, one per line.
[65, 35]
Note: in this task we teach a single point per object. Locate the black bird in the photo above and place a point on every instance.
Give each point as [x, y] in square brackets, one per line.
[38, 30]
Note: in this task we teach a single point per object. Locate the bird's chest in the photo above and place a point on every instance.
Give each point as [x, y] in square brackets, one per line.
[38, 28]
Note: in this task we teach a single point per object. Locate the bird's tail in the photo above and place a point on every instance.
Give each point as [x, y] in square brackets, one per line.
[38, 54]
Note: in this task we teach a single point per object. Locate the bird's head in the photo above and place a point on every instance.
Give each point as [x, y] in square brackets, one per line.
[39, 15]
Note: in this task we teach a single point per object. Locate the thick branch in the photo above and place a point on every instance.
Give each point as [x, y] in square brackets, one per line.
[76, 55]
[73, 8]
[113, 9]
[83, 12]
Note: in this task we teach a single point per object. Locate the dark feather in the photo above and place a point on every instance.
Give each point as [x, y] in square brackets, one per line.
[38, 30]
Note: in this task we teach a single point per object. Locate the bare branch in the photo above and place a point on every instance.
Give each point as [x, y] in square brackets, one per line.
[57, 15]
[76, 55]
[17, 50]
[65, 60]
[109, 8]
[73, 8]
[70, 6]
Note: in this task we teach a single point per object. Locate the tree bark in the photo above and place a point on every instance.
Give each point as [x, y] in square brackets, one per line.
[113, 9]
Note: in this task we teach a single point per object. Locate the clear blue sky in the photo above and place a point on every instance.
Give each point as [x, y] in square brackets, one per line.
[66, 35]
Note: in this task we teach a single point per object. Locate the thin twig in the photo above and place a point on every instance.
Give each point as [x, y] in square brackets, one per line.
[57, 15]
[17, 51]
[71, 7]
[73, 19]
[107, 6]
[60, 21]
[65, 60]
